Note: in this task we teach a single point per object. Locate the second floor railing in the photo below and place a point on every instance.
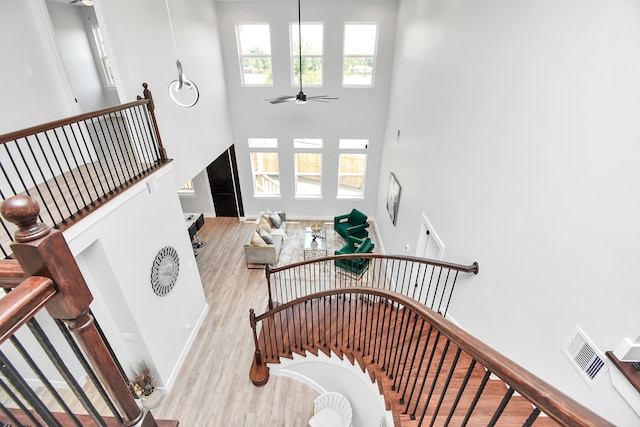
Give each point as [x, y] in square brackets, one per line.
[71, 166]
[429, 282]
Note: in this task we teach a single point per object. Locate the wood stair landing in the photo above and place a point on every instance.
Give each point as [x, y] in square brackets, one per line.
[419, 372]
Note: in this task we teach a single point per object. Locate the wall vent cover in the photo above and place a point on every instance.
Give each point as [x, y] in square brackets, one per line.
[585, 357]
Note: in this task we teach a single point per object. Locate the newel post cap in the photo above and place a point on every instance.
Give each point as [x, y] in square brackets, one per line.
[23, 211]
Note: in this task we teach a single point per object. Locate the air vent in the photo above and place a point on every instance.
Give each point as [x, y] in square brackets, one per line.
[585, 357]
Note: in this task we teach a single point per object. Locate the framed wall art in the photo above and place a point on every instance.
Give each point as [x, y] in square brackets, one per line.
[393, 198]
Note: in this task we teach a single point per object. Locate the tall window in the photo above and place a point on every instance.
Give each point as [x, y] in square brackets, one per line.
[360, 42]
[104, 58]
[311, 54]
[254, 46]
[264, 166]
[308, 167]
[352, 166]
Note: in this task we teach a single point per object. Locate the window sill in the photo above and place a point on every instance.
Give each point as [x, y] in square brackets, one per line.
[349, 197]
[267, 196]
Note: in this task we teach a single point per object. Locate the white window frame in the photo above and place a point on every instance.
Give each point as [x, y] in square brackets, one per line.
[109, 79]
[375, 55]
[241, 56]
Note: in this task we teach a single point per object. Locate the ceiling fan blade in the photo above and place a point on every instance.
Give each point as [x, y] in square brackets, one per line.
[281, 99]
[320, 97]
[318, 100]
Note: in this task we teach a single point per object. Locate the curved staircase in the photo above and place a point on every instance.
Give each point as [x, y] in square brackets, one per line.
[433, 391]
[429, 371]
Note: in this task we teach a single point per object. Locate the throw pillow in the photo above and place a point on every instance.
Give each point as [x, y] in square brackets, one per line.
[264, 225]
[267, 217]
[276, 221]
[256, 240]
[265, 236]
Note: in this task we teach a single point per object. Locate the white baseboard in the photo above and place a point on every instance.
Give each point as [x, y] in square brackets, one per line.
[185, 351]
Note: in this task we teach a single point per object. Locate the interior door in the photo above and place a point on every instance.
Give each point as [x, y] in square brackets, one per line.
[224, 183]
[429, 246]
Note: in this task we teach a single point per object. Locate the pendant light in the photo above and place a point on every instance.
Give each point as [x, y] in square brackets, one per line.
[182, 91]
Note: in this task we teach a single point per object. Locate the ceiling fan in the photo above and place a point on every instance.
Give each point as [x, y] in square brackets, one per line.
[301, 97]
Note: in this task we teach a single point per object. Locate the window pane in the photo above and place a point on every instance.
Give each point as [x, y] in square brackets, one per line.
[104, 58]
[266, 173]
[311, 71]
[308, 174]
[257, 71]
[351, 173]
[263, 142]
[254, 39]
[360, 39]
[311, 54]
[353, 144]
[307, 143]
[254, 48]
[187, 187]
[311, 39]
[358, 71]
[359, 54]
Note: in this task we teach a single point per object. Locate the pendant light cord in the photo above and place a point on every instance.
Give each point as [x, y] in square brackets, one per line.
[173, 37]
[299, 45]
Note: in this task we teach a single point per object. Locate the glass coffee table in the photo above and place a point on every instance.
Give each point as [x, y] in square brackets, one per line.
[315, 243]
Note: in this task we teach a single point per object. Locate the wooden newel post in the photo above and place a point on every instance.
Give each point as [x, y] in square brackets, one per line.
[259, 372]
[44, 252]
[267, 272]
[151, 107]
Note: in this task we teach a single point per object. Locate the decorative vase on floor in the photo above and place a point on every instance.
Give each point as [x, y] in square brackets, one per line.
[153, 400]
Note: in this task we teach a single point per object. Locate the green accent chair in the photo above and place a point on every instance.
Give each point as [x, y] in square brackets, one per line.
[354, 245]
[352, 224]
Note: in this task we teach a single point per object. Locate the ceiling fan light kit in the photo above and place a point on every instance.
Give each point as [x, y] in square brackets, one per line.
[301, 98]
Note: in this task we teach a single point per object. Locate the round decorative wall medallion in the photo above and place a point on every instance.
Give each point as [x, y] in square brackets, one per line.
[164, 271]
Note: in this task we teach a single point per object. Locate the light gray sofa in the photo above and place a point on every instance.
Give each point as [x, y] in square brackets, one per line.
[260, 253]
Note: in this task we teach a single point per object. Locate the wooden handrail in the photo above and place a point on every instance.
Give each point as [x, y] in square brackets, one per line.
[21, 304]
[473, 268]
[11, 273]
[547, 398]
[22, 133]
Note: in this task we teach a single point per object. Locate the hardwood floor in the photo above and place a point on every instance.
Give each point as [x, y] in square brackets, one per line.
[213, 388]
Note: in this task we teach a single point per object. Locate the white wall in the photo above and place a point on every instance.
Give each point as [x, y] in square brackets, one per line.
[115, 248]
[201, 200]
[359, 113]
[74, 38]
[139, 43]
[520, 144]
[37, 91]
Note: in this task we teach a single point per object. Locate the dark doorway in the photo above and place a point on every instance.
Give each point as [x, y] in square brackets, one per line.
[225, 186]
